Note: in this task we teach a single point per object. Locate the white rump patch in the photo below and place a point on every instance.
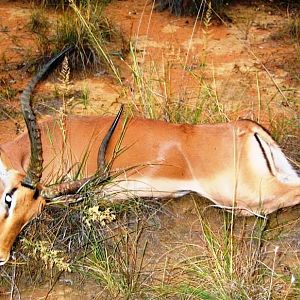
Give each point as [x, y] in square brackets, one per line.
[286, 173]
[278, 163]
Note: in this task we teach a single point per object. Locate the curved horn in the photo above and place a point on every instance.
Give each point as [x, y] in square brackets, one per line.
[65, 188]
[69, 188]
[103, 147]
[34, 172]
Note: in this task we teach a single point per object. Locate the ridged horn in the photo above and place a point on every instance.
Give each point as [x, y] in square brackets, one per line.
[34, 171]
[65, 188]
[103, 147]
[69, 188]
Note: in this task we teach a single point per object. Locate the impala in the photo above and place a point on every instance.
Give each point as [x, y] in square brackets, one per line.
[236, 165]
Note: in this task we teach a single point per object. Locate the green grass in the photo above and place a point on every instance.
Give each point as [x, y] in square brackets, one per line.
[64, 4]
[190, 7]
[82, 25]
[290, 30]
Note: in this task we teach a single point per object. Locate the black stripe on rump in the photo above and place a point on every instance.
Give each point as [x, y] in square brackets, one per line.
[263, 152]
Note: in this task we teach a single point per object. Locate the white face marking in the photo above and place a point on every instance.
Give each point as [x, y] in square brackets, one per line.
[7, 200]
[3, 170]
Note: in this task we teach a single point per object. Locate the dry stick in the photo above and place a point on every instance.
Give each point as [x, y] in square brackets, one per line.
[272, 273]
[236, 160]
[293, 279]
[258, 98]
[148, 25]
[13, 285]
[53, 284]
[271, 77]
[8, 115]
[191, 40]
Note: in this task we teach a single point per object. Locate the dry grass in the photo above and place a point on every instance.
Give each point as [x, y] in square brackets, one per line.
[143, 250]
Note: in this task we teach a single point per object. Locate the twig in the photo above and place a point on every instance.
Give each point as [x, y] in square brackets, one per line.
[13, 283]
[53, 285]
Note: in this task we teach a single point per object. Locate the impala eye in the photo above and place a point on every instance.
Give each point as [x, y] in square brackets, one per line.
[8, 197]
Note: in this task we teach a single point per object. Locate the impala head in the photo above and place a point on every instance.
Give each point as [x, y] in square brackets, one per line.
[21, 200]
[18, 205]
[22, 195]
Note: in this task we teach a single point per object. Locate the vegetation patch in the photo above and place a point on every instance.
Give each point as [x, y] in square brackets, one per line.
[190, 7]
[78, 25]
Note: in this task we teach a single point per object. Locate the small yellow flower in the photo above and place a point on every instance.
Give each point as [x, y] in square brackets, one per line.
[93, 214]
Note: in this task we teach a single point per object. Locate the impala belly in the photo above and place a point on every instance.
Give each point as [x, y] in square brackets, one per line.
[148, 188]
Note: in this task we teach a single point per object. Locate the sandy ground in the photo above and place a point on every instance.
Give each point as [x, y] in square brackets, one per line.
[246, 66]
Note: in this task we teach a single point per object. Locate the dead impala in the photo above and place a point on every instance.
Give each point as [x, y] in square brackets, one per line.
[236, 165]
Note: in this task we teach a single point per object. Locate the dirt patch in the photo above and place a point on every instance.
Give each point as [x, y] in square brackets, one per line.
[233, 55]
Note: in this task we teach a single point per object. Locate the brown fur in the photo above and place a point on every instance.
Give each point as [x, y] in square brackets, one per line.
[223, 162]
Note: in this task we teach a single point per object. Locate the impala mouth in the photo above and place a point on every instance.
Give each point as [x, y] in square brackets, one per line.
[3, 261]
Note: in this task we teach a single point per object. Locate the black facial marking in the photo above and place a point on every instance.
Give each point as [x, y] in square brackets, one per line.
[8, 197]
[36, 194]
[29, 186]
